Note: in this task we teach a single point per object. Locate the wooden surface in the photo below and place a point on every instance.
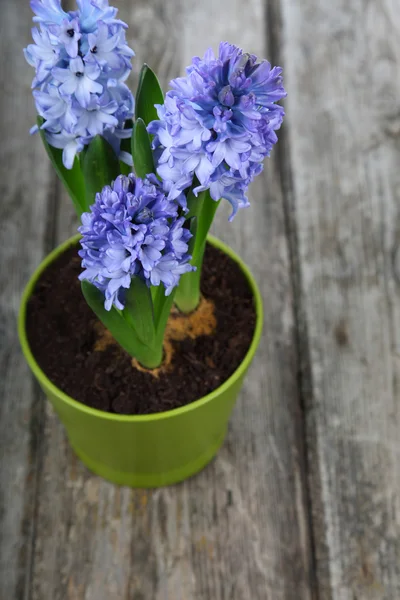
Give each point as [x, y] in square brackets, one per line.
[342, 63]
[303, 500]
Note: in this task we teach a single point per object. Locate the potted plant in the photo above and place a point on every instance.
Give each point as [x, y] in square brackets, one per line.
[141, 328]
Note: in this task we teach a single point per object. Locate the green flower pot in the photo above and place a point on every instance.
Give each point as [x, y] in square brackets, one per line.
[145, 450]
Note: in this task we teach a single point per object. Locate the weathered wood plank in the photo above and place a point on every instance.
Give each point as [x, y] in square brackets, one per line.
[266, 429]
[238, 530]
[342, 61]
[25, 184]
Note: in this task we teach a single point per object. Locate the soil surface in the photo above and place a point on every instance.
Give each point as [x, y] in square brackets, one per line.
[80, 357]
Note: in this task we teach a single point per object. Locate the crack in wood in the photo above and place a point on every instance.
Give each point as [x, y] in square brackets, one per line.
[304, 376]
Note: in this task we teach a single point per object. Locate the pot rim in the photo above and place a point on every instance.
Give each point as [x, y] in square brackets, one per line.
[52, 388]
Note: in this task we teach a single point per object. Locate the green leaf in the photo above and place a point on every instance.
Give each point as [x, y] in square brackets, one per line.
[126, 147]
[141, 150]
[111, 319]
[121, 329]
[71, 178]
[162, 307]
[100, 166]
[191, 224]
[202, 209]
[148, 94]
[124, 168]
[138, 311]
[203, 224]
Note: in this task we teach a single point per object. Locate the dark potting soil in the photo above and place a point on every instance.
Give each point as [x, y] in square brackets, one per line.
[63, 334]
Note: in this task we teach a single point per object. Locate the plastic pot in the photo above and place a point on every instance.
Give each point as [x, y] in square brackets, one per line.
[145, 450]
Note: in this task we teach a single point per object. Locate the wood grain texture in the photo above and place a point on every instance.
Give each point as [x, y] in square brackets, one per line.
[342, 64]
[25, 186]
[238, 530]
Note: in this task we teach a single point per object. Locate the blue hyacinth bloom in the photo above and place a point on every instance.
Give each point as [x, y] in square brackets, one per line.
[78, 81]
[218, 124]
[48, 11]
[81, 60]
[133, 230]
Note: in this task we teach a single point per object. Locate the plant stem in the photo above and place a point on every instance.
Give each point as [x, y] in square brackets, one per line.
[187, 296]
[203, 210]
[150, 358]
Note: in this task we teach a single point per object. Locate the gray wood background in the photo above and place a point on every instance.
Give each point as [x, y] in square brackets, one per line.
[303, 501]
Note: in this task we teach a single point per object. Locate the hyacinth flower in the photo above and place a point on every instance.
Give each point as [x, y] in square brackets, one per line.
[144, 233]
[134, 250]
[213, 131]
[81, 62]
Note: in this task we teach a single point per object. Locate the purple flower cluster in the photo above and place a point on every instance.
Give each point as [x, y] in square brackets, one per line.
[81, 60]
[133, 230]
[218, 123]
